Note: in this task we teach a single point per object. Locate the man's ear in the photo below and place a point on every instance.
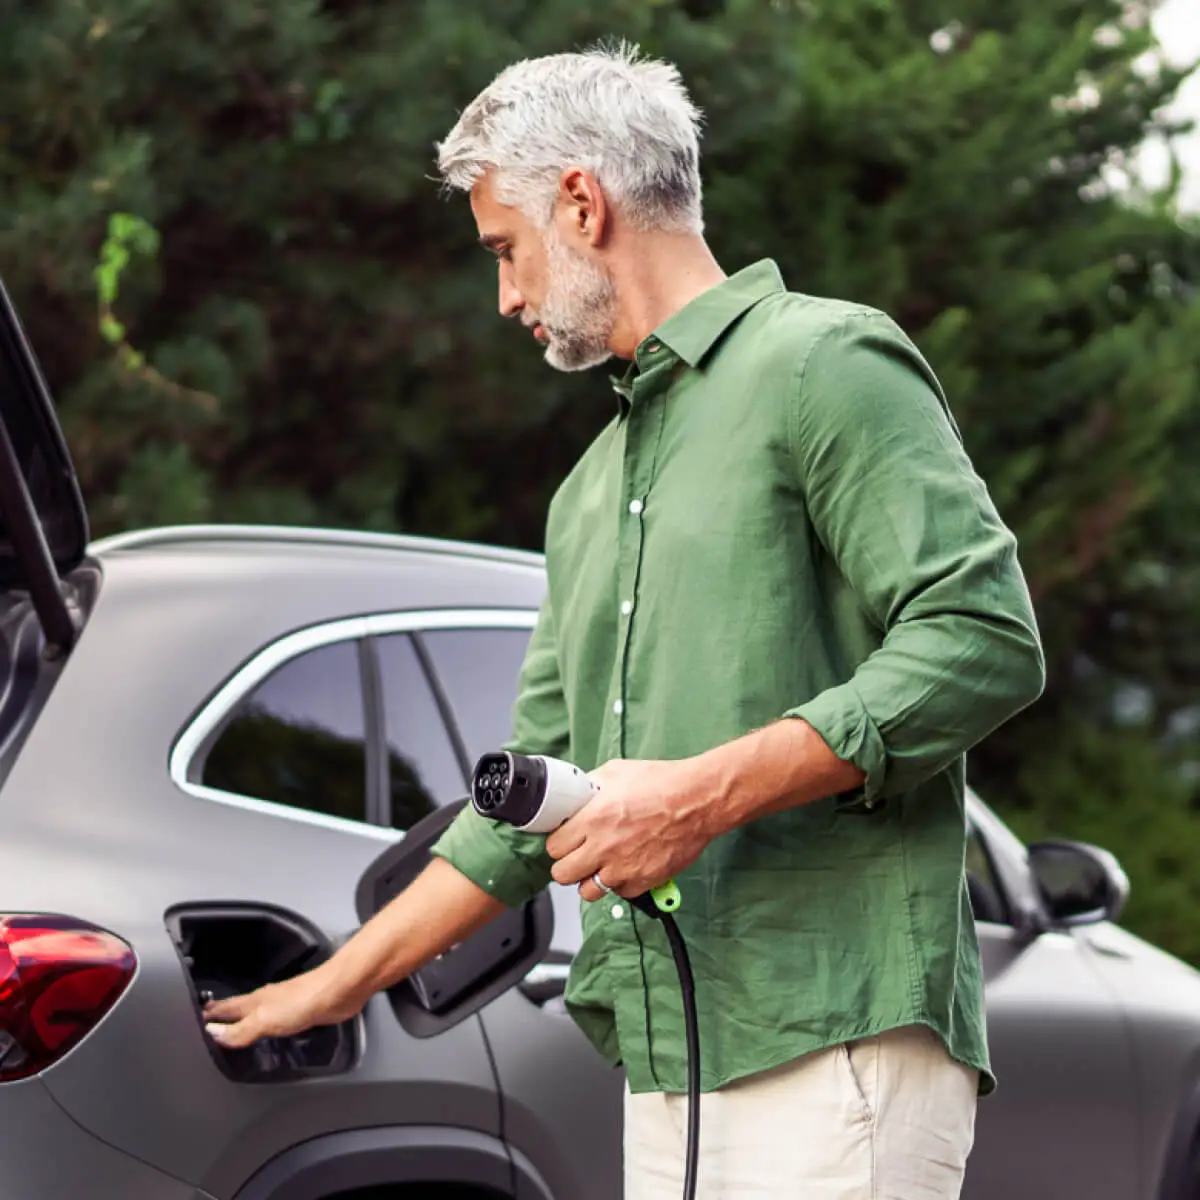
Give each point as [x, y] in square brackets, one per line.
[584, 206]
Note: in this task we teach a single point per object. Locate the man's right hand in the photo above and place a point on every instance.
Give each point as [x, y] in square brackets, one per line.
[275, 1010]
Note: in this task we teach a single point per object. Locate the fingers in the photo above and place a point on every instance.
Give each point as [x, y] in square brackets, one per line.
[232, 1008]
[235, 1036]
[576, 866]
[233, 1022]
[590, 892]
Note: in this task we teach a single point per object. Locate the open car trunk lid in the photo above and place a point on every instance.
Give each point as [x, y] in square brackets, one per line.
[43, 523]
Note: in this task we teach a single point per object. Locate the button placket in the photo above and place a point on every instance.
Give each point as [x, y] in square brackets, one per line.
[643, 434]
[644, 430]
[638, 459]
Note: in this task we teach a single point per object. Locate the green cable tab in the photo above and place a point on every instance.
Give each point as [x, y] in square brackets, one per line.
[666, 896]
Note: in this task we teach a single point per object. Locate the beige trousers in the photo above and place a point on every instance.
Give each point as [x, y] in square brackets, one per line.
[886, 1118]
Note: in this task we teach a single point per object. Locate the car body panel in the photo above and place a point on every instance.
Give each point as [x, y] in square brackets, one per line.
[1124, 1074]
[1159, 997]
[1063, 1060]
[46, 1155]
[562, 1102]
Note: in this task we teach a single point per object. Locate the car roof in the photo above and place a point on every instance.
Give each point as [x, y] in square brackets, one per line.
[321, 573]
[300, 540]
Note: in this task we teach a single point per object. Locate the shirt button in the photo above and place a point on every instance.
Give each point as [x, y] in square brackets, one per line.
[635, 507]
[618, 707]
[618, 912]
[627, 607]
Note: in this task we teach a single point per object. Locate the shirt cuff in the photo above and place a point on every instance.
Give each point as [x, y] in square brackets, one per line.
[844, 725]
[510, 866]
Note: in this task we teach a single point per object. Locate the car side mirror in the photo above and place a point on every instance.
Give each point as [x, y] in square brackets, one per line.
[472, 973]
[1080, 884]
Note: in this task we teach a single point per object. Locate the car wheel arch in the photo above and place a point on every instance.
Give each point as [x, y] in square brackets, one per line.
[395, 1156]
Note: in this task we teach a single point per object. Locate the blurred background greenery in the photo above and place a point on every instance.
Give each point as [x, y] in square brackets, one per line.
[295, 327]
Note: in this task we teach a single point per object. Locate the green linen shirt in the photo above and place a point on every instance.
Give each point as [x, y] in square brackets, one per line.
[779, 521]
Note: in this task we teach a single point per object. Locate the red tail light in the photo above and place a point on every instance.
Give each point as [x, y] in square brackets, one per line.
[58, 977]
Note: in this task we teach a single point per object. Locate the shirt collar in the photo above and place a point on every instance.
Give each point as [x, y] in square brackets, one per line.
[697, 327]
[693, 331]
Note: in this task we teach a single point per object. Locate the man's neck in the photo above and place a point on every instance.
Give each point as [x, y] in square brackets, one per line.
[661, 274]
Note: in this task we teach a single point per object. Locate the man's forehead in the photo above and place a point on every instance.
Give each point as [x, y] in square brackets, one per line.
[483, 198]
[497, 222]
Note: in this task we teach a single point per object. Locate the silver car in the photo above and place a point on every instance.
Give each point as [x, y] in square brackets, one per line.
[221, 749]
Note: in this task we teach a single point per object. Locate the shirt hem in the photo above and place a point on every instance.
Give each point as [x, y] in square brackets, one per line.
[711, 1083]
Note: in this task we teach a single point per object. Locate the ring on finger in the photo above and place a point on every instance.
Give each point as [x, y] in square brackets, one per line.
[600, 883]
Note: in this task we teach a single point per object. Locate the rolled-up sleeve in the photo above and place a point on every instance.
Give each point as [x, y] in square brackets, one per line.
[912, 529]
[511, 866]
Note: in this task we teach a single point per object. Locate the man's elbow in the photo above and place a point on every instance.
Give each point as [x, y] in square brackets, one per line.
[1024, 670]
[1033, 675]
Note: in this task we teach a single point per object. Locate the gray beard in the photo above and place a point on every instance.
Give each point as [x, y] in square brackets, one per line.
[579, 312]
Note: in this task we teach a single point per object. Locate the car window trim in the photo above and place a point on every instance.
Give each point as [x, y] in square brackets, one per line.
[976, 829]
[272, 656]
[441, 698]
[1010, 862]
[376, 731]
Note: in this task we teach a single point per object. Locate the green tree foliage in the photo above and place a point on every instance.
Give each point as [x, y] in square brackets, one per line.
[296, 328]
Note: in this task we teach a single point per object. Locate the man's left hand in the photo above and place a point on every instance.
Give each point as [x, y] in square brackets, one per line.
[648, 821]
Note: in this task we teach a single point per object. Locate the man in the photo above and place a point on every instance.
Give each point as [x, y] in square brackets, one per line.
[781, 607]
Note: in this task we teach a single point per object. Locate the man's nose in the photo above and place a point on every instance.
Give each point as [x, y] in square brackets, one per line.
[511, 300]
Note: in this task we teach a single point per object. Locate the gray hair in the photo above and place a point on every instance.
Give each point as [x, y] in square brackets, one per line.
[627, 119]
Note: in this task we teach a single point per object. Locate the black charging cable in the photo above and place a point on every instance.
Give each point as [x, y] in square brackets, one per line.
[691, 1035]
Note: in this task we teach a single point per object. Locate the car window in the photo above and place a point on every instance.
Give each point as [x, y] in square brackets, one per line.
[423, 770]
[987, 896]
[478, 668]
[300, 737]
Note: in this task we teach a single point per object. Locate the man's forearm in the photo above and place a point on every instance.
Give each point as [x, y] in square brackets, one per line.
[438, 909]
[783, 765]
